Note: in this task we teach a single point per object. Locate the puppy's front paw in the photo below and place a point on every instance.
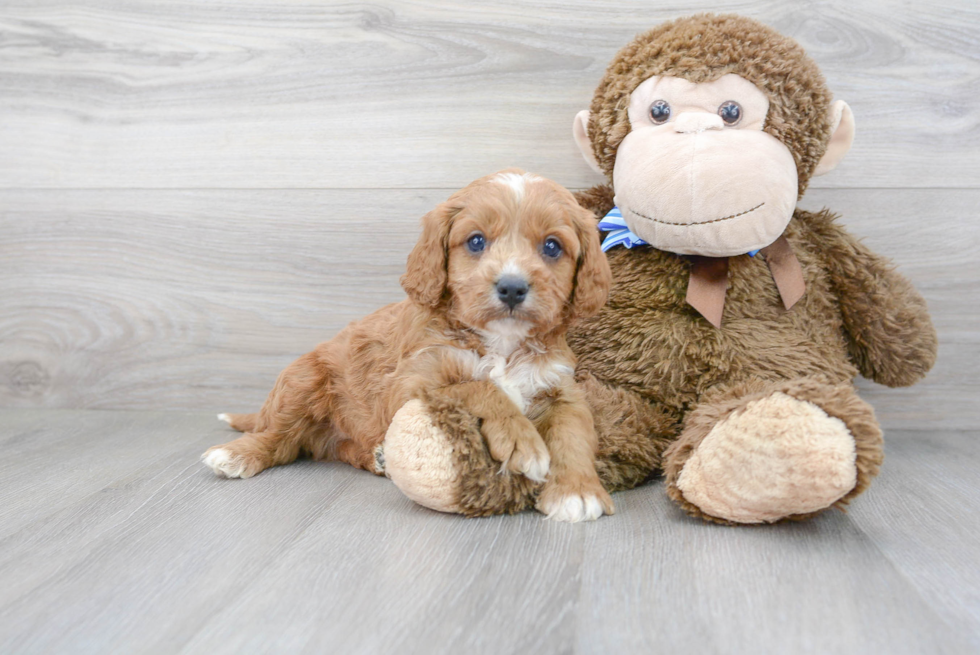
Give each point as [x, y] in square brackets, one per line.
[531, 458]
[561, 502]
[226, 464]
[515, 442]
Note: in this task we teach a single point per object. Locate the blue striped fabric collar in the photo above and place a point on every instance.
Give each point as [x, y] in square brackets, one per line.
[620, 234]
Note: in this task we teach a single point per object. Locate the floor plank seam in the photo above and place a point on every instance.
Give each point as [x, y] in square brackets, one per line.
[909, 581]
[282, 549]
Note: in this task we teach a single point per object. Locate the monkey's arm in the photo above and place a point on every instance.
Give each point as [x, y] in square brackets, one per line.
[890, 335]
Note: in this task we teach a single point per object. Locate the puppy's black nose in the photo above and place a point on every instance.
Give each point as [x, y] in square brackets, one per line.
[512, 290]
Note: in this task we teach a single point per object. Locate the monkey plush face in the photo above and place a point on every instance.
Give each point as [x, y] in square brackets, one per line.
[696, 175]
[710, 128]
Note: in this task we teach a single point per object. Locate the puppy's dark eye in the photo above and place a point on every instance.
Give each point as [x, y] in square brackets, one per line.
[551, 248]
[659, 112]
[476, 243]
[730, 112]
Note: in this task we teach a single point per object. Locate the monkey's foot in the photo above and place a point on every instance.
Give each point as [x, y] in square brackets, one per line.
[436, 455]
[417, 457]
[775, 457]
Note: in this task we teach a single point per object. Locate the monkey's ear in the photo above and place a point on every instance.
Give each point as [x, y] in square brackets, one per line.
[425, 275]
[841, 137]
[580, 130]
[593, 277]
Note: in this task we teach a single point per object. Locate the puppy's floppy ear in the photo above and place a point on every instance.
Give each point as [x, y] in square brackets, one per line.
[593, 277]
[425, 276]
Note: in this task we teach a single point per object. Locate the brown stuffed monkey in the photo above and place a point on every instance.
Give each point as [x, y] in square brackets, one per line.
[736, 324]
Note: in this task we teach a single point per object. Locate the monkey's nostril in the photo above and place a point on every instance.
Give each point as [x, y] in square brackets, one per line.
[512, 290]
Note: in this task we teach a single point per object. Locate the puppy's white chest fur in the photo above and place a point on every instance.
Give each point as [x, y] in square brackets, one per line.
[521, 375]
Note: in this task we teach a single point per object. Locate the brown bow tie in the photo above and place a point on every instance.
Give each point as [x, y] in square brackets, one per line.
[709, 279]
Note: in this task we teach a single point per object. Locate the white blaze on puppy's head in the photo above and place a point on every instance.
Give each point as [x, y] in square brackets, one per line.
[516, 182]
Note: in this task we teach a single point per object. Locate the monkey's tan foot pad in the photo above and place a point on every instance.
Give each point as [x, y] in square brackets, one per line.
[417, 457]
[777, 457]
[436, 455]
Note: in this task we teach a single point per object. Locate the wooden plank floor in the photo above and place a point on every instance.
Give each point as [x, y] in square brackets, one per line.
[114, 538]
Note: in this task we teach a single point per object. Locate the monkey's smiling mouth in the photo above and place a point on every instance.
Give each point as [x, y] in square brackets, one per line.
[714, 220]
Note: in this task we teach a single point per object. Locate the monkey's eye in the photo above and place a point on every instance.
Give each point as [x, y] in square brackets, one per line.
[730, 112]
[551, 248]
[476, 243]
[660, 112]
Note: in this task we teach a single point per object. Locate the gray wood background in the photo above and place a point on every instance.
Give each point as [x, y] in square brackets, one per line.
[194, 193]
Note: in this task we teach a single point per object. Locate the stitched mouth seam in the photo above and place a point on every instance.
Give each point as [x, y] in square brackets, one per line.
[717, 220]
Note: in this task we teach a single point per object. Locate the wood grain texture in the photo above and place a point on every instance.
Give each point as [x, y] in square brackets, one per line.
[192, 194]
[155, 554]
[662, 583]
[919, 517]
[174, 286]
[134, 93]
[197, 299]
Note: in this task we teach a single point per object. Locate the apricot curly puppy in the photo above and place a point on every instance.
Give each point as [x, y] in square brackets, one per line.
[500, 270]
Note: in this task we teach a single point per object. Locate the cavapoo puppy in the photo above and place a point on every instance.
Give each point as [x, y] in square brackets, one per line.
[500, 270]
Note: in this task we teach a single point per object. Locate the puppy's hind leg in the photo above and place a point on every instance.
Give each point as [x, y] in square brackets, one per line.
[250, 454]
[287, 424]
[241, 422]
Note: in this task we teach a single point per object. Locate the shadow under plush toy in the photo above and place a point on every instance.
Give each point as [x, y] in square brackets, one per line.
[736, 322]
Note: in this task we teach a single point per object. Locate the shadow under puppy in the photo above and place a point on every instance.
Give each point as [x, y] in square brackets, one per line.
[500, 271]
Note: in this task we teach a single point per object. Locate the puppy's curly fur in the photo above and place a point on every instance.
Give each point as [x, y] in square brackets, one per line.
[506, 363]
